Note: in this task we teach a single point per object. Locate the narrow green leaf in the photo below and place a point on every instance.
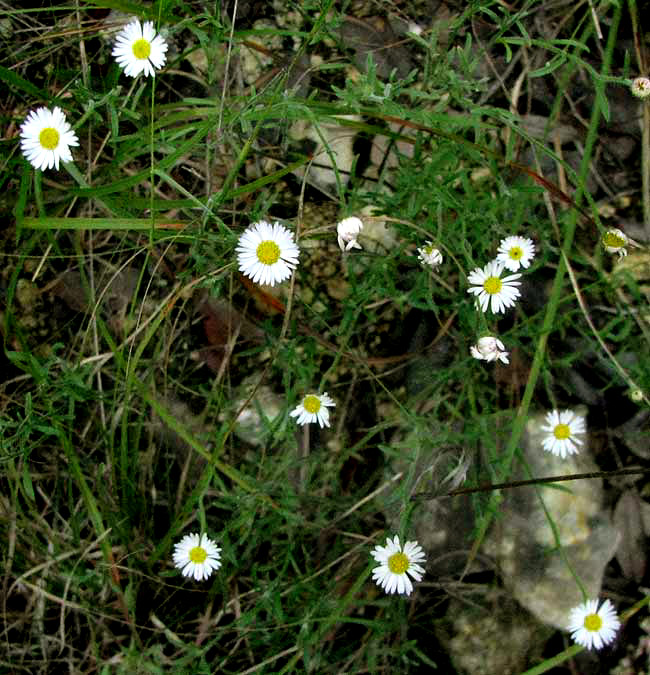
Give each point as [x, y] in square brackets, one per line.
[23, 192]
[27, 482]
[134, 8]
[167, 162]
[50, 223]
[18, 82]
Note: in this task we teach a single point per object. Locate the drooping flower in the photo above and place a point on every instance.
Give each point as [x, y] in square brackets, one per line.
[46, 138]
[491, 289]
[615, 241]
[489, 348]
[348, 231]
[396, 564]
[313, 408]
[267, 253]
[562, 430]
[592, 626]
[516, 252]
[430, 255]
[641, 87]
[139, 50]
[197, 556]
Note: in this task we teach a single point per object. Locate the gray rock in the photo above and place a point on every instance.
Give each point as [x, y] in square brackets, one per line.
[256, 421]
[534, 520]
[480, 633]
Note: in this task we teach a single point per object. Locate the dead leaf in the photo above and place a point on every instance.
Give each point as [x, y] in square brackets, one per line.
[634, 434]
[222, 324]
[538, 126]
[376, 36]
[113, 290]
[631, 552]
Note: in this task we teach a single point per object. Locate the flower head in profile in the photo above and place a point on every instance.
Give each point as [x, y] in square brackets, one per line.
[516, 252]
[615, 241]
[489, 348]
[562, 430]
[348, 231]
[397, 564]
[494, 292]
[592, 626]
[197, 556]
[430, 255]
[641, 87]
[46, 138]
[267, 253]
[139, 50]
[313, 408]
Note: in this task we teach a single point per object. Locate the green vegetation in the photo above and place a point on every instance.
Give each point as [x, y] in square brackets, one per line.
[147, 384]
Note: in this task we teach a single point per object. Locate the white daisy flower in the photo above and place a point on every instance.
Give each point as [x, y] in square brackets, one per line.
[396, 564]
[515, 252]
[196, 556]
[615, 241]
[139, 50]
[489, 349]
[430, 255]
[313, 408]
[348, 231]
[491, 289]
[46, 138]
[641, 87]
[267, 253]
[563, 428]
[591, 626]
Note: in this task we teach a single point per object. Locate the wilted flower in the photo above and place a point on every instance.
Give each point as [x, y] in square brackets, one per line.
[348, 231]
[615, 241]
[489, 349]
[636, 395]
[430, 255]
[641, 87]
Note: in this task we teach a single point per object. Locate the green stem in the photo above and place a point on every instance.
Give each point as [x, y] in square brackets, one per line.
[645, 166]
[645, 129]
[556, 660]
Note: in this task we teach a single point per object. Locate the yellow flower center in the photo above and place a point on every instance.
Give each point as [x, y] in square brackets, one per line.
[268, 252]
[311, 404]
[398, 563]
[562, 432]
[593, 623]
[613, 240]
[492, 285]
[49, 138]
[428, 249]
[141, 49]
[515, 253]
[198, 555]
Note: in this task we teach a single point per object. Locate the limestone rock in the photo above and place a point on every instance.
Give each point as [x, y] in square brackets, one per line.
[523, 539]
